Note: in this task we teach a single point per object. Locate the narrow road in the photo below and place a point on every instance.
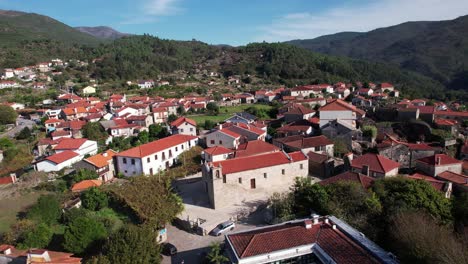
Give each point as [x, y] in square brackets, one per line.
[22, 123]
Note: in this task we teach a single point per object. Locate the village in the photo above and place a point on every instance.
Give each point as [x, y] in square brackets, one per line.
[246, 144]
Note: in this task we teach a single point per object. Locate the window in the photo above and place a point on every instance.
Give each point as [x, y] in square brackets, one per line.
[182, 146]
[301, 166]
[217, 174]
[283, 171]
[265, 175]
[148, 160]
[240, 180]
[224, 178]
[155, 157]
[126, 171]
[181, 130]
[133, 161]
[124, 160]
[220, 142]
[191, 129]
[176, 149]
[212, 142]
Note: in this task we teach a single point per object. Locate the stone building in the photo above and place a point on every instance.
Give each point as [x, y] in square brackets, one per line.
[436, 164]
[252, 179]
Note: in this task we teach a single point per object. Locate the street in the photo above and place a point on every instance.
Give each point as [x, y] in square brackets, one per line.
[22, 123]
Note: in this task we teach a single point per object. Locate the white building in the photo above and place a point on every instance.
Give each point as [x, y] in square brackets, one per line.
[58, 161]
[184, 126]
[146, 84]
[81, 146]
[9, 73]
[8, 84]
[155, 156]
[339, 110]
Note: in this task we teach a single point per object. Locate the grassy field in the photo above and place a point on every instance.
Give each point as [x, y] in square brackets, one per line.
[10, 207]
[225, 112]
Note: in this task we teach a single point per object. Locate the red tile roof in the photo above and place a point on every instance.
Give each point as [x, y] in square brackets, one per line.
[310, 142]
[340, 105]
[86, 184]
[317, 157]
[365, 181]
[230, 133]
[53, 120]
[444, 160]
[102, 159]
[179, 121]
[451, 113]
[62, 156]
[376, 163]
[218, 150]
[454, 177]
[257, 162]
[254, 147]
[445, 122]
[156, 146]
[336, 244]
[438, 185]
[6, 180]
[70, 143]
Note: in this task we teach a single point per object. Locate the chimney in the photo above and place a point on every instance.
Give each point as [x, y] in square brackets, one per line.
[334, 227]
[104, 154]
[437, 160]
[220, 126]
[327, 221]
[315, 218]
[308, 224]
[7, 251]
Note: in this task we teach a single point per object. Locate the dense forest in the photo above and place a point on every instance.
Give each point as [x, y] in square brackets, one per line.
[32, 38]
[437, 49]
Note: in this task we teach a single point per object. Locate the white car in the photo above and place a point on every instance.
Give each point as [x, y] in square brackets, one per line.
[223, 227]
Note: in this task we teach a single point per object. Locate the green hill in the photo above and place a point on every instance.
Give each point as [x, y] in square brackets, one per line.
[17, 27]
[438, 50]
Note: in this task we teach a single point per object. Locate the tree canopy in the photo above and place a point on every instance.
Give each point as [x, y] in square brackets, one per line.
[7, 115]
[94, 199]
[47, 210]
[83, 233]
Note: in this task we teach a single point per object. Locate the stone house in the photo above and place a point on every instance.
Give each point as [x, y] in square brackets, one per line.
[374, 165]
[319, 144]
[184, 126]
[438, 163]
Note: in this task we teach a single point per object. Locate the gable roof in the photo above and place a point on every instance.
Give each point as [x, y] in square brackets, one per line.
[70, 143]
[102, 159]
[218, 150]
[86, 184]
[375, 162]
[454, 177]
[340, 105]
[444, 160]
[179, 121]
[259, 161]
[254, 147]
[62, 156]
[437, 184]
[310, 142]
[156, 146]
[365, 181]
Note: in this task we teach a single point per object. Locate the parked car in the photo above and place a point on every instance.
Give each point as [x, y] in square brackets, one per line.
[169, 249]
[223, 228]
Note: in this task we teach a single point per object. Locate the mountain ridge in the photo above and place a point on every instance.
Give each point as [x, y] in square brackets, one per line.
[103, 32]
[437, 49]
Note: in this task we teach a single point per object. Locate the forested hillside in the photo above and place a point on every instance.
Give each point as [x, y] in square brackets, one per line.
[438, 50]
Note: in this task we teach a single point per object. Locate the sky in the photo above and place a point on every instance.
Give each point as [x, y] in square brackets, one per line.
[239, 22]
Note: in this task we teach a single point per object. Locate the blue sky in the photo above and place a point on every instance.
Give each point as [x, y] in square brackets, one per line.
[238, 22]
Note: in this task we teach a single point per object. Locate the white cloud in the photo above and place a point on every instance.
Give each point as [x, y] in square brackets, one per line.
[360, 18]
[151, 10]
[162, 7]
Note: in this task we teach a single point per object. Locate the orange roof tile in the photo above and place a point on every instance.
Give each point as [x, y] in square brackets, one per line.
[102, 159]
[62, 156]
[156, 146]
[86, 184]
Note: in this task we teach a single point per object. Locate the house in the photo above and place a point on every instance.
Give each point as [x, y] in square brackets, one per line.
[320, 165]
[446, 124]
[88, 90]
[85, 184]
[452, 115]
[253, 148]
[301, 127]
[52, 123]
[216, 153]
[8, 73]
[81, 146]
[311, 240]
[342, 130]
[10, 254]
[8, 179]
[241, 117]
[140, 120]
[387, 87]
[150, 158]
[418, 102]
[236, 181]
[230, 135]
[443, 186]
[375, 166]
[438, 163]
[145, 84]
[301, 91]
[340, 110]
[349, 176]
[460, 181]
[16, 106]
[8, 84]
[365, 92]
[39, 85]
[294, 112]
[184, 126]
[319, 144]
[160, 114]
[101, 163]
[58, 161]
[69, 98]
